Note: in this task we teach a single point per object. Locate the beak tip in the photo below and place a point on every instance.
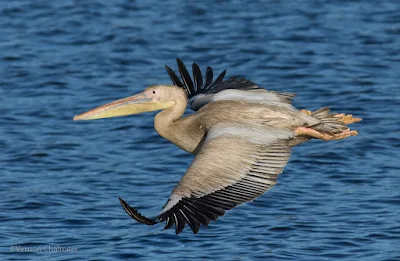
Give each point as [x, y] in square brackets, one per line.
[76, 118]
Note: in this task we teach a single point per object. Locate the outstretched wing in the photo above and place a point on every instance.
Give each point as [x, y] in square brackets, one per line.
[235, 88]
[236, 164]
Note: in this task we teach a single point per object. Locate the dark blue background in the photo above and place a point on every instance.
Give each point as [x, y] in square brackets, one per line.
[60, 180]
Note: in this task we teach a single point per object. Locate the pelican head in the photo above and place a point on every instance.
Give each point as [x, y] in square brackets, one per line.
[153, 98]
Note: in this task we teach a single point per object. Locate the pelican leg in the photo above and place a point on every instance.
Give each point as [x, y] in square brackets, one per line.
[303, 131]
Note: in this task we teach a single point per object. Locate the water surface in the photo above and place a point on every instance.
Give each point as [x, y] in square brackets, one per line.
[60, 180]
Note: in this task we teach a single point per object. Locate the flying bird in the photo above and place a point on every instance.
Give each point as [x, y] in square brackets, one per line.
[240, 133]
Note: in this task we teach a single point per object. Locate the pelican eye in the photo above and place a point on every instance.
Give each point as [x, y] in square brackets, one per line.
[154, 92]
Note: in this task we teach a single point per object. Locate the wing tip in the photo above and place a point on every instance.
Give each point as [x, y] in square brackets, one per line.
[200, 85]
[133, 213]
[174, 219]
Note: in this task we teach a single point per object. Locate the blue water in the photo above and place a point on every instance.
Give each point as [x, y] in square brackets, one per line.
[60, 180]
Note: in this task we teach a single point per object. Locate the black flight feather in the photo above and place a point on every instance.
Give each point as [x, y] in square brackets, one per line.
[170, 222]
[181, 224]
[185, 77]
[209, 77]
[207, 86]
[197, 77]
[174, 78]
[136, 215]
[193, 223]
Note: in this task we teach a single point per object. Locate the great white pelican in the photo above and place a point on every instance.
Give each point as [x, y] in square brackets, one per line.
[241, 135]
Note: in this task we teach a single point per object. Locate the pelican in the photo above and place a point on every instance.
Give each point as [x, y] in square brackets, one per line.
[241, 135]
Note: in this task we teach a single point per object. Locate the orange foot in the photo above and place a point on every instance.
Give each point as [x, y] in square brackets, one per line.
[307, 112]
[325, 136]
[347, 119]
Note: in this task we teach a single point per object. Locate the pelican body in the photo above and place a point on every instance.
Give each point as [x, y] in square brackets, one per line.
[241, 135]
